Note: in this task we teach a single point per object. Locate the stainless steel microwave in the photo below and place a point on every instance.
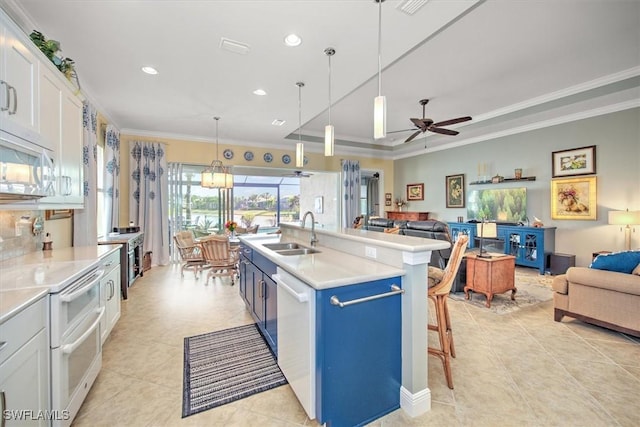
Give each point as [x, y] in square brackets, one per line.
[26, 170]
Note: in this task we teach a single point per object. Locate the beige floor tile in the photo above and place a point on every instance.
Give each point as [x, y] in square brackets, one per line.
[517, 369]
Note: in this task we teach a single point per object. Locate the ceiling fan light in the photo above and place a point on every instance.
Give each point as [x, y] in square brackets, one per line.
[379, 117]
[328, 140]
[299, 155]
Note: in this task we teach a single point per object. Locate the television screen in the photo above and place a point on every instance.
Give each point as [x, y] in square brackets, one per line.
[502, 205]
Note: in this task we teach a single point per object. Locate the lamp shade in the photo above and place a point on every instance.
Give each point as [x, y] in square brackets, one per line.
[487, 230]
[328, 140]
[379, 117]
[624, 217]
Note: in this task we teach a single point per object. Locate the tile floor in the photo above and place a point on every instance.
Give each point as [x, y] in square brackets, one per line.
[519, 369]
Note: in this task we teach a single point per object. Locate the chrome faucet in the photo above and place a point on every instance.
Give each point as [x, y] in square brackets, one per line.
[314, 239]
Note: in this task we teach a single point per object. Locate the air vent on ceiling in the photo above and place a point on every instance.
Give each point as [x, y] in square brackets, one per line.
[234, 46]
[411, 6]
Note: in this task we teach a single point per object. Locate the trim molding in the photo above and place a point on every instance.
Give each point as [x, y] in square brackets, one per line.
[415, 404]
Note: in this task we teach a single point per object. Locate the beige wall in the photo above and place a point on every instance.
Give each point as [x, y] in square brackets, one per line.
[203, 153]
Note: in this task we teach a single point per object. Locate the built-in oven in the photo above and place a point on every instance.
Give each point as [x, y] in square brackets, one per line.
[76, 349]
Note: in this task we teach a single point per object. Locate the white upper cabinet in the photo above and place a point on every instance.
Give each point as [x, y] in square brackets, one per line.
[19, 113]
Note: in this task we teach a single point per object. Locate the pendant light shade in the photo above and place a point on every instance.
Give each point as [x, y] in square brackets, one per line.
[216, 175]
[379, 103]
[328, 129]
[300, 145]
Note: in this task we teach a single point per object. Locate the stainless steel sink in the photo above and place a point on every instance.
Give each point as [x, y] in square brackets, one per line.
[280, 246]
[290, 249]
[298, 251]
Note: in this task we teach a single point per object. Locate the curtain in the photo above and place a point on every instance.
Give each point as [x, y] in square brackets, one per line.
[148, 197]
[85, 227]
[372, 197]
[112, 177]
[351, 191]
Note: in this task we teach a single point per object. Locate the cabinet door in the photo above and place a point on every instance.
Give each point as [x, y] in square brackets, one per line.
[50, 107]
[71, 174]
[271, 312]
[19, 88]
[358, 352]
[110, 299]
[24, 380]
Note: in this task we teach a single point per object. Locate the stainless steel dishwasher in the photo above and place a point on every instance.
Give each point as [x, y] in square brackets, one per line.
[296, 337]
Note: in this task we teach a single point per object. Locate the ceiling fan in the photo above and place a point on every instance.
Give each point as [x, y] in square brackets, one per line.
[298, 174]
[425, 124]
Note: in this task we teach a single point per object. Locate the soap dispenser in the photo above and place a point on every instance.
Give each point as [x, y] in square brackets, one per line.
[47, 242]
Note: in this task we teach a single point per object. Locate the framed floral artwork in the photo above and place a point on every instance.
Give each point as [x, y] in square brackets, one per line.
[455, 191]
[415, 192]
[574, 198]
[577, 161]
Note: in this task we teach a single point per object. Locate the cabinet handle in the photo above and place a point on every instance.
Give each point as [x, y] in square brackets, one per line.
[15, 101]
[5, 107]
[395, 290]
[3, 344]
[261, 284]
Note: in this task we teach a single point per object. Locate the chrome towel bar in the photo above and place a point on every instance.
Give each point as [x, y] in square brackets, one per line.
[395, 290]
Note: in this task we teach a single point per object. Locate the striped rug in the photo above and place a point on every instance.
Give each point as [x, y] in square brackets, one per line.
[223, 366]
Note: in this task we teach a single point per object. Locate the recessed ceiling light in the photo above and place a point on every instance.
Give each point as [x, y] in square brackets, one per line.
[150, 70]
[292, 40]
[259, 92]
[277, 122]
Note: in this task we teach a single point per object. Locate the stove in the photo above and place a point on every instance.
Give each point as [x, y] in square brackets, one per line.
[132, 240]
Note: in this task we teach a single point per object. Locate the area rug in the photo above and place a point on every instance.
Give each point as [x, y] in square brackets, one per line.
[224, 366]
[533, 289]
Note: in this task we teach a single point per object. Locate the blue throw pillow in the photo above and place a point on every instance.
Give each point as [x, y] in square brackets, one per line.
[622, 262]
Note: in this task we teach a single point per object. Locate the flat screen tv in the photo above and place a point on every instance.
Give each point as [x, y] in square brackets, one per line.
[500, 204]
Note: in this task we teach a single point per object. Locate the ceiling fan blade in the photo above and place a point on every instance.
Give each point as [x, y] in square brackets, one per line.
[403, 130]
[413, 136]
[419, 123]
[452, 121]
[443, 131]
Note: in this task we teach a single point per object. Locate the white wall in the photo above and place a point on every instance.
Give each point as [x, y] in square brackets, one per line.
[617, 140]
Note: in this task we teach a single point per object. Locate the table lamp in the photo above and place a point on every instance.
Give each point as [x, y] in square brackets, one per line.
[486, 230]
[626, 218]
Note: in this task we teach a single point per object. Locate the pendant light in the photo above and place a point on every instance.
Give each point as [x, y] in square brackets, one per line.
[328, 129]
[300, 145]
[216, 175]
[380, 102]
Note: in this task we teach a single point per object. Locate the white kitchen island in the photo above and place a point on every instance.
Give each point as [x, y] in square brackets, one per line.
[349, 256]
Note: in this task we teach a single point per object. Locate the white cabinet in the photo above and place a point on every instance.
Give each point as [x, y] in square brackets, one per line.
[110, 294]
[61, 130]
[24, 366]
[19, 113]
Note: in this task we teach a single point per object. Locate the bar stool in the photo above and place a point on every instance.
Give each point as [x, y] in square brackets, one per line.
[439, 294]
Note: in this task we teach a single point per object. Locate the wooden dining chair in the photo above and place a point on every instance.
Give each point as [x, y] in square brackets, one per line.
[221, 260]
[189, 251]
[439, 293]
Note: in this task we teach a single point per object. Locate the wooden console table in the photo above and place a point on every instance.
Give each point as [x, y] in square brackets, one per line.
[408, 216]
[491, 276]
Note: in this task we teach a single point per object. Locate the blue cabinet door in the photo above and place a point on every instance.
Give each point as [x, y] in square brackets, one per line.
[271, 313]
[358, 354]
[458, 228]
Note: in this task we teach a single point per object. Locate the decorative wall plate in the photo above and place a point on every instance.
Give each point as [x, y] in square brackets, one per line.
[228, 154]
[268, 157]
[248, 156]
[286, 159]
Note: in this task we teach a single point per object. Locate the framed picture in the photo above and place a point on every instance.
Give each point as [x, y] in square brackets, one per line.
[415, 192]
[318, 205]
[455, 191]
[574, 198]
[577, 161]
[57, 214]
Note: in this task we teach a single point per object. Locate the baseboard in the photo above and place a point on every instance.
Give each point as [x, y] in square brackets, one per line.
[415, 404]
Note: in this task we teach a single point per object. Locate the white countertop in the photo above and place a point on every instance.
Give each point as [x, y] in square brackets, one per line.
[26, 278]
[331, 268]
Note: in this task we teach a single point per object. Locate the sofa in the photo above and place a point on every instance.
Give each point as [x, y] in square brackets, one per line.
[605, 298]
[430, 229]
